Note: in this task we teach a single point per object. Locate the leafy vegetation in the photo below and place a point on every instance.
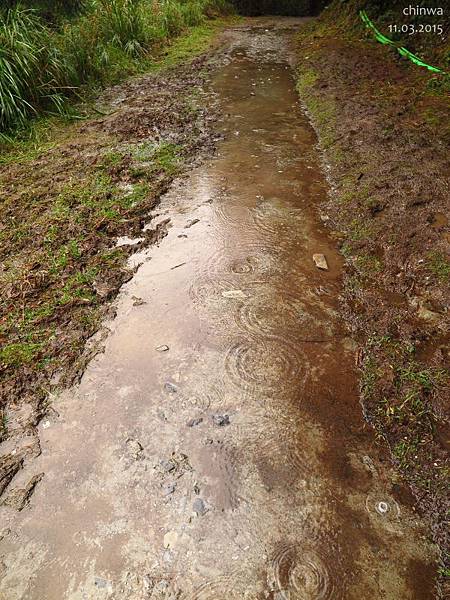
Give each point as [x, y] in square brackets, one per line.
[30, 66]
[42, 65]
[439, 265]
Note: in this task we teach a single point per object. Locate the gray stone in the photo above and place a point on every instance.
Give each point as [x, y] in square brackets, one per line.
[199, 507]
[100, 583]
[170, 387]
[167, 465]
[221, 420]
[169, 489]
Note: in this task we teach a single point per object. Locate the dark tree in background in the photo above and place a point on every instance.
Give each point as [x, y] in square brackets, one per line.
[279, 7]
[50, 10]
[315, 6]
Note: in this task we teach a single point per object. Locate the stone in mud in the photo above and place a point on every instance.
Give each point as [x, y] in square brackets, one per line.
[169, 489]
[170, 387]
[138, 301]
[427, 315]
[199, 507]
[170, 539]
[163, 348]
[135, 448]
[101, 583]
[161, 587]
[221, 420]
[191, 223]
[320, 261]
[167, 465]
[194, 422]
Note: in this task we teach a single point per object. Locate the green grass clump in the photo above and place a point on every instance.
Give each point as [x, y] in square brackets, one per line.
[32, 69]
[306, 80]
[16, 354]
[439, 265]
[41, 66]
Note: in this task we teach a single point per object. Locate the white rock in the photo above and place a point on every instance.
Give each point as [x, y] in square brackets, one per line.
[320, 261]
[163, 348]
[170, 539]
[427, 315]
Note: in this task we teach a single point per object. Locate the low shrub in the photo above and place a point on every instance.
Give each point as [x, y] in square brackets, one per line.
[41, 65]
[32, 67]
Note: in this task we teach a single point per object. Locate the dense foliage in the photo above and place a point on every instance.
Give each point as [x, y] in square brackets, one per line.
[42, 64]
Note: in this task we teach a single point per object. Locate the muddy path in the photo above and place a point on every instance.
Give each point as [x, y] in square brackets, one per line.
[216, 448]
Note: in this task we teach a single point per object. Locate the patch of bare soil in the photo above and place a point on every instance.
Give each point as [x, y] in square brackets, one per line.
[385, 141]
[61, 215]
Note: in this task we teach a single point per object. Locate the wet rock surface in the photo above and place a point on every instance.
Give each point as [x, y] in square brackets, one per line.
[276, 488]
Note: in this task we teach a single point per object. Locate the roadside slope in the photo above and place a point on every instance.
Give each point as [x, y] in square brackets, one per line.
[384, 133]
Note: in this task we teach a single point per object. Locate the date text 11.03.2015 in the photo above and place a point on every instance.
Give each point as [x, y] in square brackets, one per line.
[412, 28]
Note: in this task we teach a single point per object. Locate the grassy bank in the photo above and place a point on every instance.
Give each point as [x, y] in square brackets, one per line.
[383, 126]
[44, 60]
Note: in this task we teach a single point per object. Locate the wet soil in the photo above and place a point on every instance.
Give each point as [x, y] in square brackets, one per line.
[69, 218]
[384, 131]
[216, 448]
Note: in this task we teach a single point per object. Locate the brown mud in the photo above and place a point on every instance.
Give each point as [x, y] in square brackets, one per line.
[384, 131]
[216, 448]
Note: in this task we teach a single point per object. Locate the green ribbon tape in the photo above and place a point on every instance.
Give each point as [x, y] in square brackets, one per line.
[403, 51]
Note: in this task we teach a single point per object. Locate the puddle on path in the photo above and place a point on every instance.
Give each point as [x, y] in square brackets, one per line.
[216, 449]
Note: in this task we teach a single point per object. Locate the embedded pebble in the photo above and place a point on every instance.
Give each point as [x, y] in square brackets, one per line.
[199, 507]
[221, 420]
[170, 539]
[170, 387]
[169, 489]
[167, 465]
[320, 261]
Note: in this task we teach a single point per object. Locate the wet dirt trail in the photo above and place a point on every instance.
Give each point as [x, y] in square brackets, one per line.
[216, 448]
